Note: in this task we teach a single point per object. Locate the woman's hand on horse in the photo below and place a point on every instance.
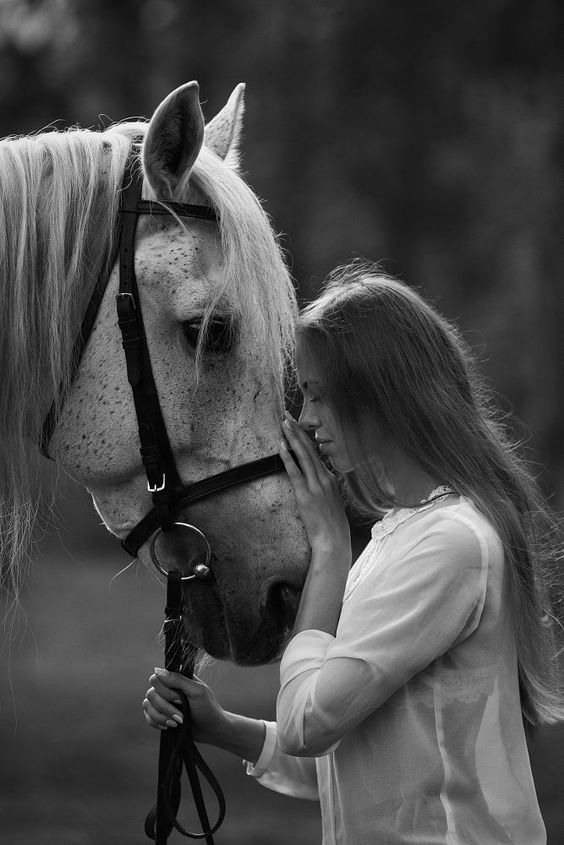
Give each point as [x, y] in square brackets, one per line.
[162, 704]
[316, 490]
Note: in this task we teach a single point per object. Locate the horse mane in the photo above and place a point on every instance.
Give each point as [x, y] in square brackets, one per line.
[59, 200]
[256, 280]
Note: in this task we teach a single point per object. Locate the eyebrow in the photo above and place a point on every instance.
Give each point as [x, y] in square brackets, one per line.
[305, 385]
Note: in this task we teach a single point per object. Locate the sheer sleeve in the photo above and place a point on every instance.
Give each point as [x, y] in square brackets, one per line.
[294, 776]
[418, 602]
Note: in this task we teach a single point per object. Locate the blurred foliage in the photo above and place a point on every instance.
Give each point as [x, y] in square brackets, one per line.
[425, 134]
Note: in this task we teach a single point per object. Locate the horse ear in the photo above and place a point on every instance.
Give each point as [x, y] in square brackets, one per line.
[223, 132]
[173, 140]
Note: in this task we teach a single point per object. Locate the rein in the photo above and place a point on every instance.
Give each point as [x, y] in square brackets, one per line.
[169, 496]
[177, 748]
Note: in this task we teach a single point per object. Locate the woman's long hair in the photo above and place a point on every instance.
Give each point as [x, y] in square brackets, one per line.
[385, 353]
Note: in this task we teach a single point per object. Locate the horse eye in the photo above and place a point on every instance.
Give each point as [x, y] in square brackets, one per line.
[191, 332]
[221, 335]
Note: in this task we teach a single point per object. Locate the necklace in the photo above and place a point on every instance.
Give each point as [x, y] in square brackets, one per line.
[392, 519]
[437, 493]
[386, 526]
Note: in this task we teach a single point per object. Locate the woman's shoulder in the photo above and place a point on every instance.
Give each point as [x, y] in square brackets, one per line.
[449, 546]
[462, 527]
[453, 526]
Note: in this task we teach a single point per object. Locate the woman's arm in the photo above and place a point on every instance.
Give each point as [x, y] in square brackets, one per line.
[241, 736]
[400, 619]
[322, 594]
[321, 509]
[252, 739]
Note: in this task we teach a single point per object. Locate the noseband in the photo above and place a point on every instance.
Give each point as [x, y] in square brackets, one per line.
[169, 494]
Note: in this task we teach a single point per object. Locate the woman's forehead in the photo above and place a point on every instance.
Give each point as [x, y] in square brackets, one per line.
[303, 354]
[309, 373]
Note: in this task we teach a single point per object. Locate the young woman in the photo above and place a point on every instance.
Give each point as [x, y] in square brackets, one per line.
[409, 678]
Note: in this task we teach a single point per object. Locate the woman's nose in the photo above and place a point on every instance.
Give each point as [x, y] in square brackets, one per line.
[307, 420]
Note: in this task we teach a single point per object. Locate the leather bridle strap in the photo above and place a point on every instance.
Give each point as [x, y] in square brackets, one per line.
[177, 747]
[155, 449]
[201, 212]
[200, 490]
[163, 480]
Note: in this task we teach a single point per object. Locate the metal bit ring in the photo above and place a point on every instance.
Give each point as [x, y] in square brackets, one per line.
[201, 569]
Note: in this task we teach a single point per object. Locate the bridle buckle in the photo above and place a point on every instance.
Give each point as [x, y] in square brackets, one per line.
[157, 488]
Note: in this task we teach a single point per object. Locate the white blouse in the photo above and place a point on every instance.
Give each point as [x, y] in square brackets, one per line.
[406, 725]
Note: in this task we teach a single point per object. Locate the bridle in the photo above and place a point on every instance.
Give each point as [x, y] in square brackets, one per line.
[169, 494]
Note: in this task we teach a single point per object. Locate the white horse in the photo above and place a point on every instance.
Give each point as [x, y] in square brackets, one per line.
[222, 401]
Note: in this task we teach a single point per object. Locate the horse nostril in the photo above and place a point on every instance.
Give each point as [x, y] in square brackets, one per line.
[282, 602]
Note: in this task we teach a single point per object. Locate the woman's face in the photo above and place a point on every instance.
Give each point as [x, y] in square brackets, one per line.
[317, 416]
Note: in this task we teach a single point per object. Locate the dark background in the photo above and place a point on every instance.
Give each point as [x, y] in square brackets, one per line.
[427, 135]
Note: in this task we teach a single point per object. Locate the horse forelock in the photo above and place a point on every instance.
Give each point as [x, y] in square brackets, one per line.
[255, 278]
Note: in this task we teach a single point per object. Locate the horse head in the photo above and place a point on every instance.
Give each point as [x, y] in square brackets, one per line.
[218, 309]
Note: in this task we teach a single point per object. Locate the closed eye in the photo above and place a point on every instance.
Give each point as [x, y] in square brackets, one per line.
[220, 334]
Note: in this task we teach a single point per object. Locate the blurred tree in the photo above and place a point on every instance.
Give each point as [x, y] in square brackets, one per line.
[428, 135]
[425, 134]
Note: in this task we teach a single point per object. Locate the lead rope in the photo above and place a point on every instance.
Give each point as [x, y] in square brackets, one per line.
[177, 747]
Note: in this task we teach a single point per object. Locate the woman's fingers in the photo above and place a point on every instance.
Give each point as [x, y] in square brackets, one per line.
[292, 468]
[296, 428]
[161, 709]
[162, 705]
[160, 700]
[158, 712]
[316, 489]
[303, 448]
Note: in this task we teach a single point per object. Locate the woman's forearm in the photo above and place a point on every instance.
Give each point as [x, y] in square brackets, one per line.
[322, 595]
[320, 608]
[239, 735]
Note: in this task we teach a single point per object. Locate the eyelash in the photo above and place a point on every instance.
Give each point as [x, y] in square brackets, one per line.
[221, 335]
